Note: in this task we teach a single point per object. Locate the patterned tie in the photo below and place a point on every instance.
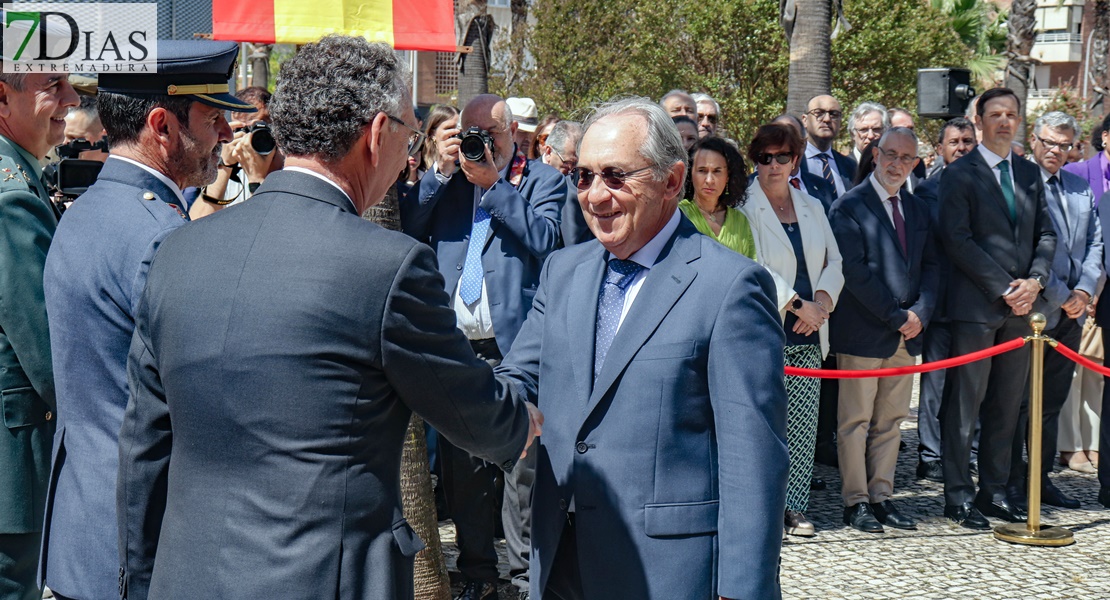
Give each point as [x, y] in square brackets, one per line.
[899, 225]
[1007, 188]
[826, 171]
[470, 285]
[610, 303]
[796, 183]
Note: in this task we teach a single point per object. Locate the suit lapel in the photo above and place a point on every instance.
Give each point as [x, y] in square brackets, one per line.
[664, 285]
[875, 204]
[585, 286]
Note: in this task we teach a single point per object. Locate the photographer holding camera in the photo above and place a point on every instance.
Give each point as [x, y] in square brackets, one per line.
[246, 160]
[482, 188]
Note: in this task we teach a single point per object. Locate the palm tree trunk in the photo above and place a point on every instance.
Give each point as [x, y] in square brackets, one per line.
[475, 29]
[1019, 45]
[1099, 53]
[260, 64]
[810, 63]
[430, 569]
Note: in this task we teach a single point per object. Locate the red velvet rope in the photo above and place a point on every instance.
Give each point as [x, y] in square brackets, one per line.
[1082, 360]
[947, 363]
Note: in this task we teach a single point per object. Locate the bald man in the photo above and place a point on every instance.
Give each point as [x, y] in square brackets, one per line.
[491, 223]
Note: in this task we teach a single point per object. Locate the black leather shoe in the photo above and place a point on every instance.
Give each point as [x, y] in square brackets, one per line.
[1053, 496]
[817, 484]
[1017, 497]
[1001, 509]
[478, 590]
[888, 514]
[930, 470]
[966, 515]
[1104, 496]
[861, 517]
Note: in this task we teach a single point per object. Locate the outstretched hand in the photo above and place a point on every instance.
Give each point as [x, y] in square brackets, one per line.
[535, 426]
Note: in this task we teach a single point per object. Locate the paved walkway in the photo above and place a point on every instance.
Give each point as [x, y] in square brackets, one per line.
[939, 560]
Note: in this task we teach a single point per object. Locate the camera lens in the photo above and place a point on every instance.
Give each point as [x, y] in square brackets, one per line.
[262, 139]
[473, 148]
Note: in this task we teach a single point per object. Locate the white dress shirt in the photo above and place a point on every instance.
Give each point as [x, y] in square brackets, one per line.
[815, 166]
[884, 197]
[993, 160]
[646, 257]
[475, 320]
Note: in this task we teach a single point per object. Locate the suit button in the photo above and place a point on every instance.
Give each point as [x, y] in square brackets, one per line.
[49, 415]
[581, 447]
[458, 267]
[562, 504]
[1013, 269]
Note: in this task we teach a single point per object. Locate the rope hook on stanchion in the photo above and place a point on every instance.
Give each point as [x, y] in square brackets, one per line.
[1031, 533]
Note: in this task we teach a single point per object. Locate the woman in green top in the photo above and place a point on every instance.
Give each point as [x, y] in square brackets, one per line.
[718, 184]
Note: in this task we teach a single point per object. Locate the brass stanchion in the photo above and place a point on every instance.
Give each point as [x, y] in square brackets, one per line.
[1030, 533]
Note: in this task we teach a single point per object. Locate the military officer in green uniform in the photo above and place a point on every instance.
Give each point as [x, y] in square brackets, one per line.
[33, 107]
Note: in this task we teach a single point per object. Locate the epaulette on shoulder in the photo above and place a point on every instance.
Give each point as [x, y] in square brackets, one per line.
[13, 177]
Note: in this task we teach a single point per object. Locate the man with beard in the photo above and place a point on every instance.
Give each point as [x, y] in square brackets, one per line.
[165, 131]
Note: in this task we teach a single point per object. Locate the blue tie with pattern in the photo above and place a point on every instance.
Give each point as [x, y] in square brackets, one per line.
[470, 285]
[610, 303]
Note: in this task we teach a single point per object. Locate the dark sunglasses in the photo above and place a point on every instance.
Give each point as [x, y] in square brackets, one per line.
[613, 177]
[781, 158]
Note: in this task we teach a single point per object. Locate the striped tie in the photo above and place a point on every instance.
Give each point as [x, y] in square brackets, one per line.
[826, 172]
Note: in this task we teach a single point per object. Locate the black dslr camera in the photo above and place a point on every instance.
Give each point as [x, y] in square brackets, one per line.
[71, 176]
[262, 138]
[474, 142]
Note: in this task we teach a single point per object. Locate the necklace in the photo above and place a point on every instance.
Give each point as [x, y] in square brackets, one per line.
[709, 215]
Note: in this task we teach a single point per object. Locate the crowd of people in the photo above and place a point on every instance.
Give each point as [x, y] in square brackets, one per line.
[211, 358]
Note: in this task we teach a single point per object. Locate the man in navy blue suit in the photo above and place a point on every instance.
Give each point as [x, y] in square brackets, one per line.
[510, 207]
[1076, 269]
[657, 356]
[890, 280]
[823, 120]
[95, 274]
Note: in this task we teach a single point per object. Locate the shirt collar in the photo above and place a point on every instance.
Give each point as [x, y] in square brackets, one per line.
[879, 189]
[321, 177]
[1045, 176]
[993, 159]
[649, 253]
[812, 151]
[156, 173]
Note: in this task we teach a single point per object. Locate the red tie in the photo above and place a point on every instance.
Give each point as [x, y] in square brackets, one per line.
[794, 182]
[899, 224]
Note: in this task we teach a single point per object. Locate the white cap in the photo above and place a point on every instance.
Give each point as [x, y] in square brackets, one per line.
[524, 113]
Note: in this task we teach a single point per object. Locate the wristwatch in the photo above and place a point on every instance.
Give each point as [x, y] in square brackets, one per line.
[1039, 280]
[796, 305]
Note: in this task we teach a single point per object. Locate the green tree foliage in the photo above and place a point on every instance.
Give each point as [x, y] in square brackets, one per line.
[982, 28]
[587, 51]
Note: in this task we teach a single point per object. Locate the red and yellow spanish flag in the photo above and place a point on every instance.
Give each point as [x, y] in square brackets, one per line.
[403, 24]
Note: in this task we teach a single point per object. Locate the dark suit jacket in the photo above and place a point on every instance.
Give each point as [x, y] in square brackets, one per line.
[845, 165]
[27, 222]
[272, 383]
[928, 191]
[675, 457]
[988, 250]
[523, 231]
[881, 282]
[95, 275]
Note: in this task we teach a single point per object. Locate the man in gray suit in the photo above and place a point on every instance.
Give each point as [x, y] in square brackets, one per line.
[284, 406]
[1076, 269]
[662, 469]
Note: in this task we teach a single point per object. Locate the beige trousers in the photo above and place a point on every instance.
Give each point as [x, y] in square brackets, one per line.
[869, 413]
[1079, 418]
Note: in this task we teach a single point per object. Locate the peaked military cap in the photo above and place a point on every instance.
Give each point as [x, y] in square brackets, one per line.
[199, 69]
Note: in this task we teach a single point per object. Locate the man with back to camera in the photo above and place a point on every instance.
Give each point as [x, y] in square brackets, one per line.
[260, 452]
[33, 107]
[95, 275]
[998, 235]
[510, 207]
[658, 355]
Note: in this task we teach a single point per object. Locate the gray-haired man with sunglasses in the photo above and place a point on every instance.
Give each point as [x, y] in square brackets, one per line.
[657, 354]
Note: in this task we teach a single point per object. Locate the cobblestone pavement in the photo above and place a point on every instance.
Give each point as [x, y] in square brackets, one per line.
[939, 560]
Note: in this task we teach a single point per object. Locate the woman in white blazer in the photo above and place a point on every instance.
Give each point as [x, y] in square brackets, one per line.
[787, 223]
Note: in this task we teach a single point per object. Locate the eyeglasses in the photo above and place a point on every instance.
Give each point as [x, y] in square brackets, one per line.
[782, 158]
[613, 177]
[416, 138]
[905, 159]
[871, 130]
[568, 164]
[708, 117]
[1051, 144]
[819, 114]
